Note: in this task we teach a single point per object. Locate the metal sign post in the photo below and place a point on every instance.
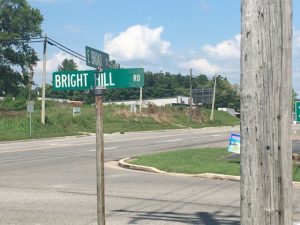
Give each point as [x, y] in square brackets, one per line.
[30, 109]
[101, 79]
[100, 155]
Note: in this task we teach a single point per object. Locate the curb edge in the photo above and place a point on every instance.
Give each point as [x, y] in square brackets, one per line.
[124, 164]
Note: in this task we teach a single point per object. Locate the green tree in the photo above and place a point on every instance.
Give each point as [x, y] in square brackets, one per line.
[200, 81]
[18, 23]
[67, 64]
[227, 95]
[114, 65]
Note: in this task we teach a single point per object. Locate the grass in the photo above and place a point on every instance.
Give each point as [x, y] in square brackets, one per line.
[14, 124]
[195, 161]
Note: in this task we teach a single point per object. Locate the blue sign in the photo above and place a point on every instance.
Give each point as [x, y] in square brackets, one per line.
[234, 143]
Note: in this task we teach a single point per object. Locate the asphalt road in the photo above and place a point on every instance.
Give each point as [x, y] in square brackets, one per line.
[54, 182]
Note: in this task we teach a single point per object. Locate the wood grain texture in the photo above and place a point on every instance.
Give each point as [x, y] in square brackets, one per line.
[100, 161]
[266, 103]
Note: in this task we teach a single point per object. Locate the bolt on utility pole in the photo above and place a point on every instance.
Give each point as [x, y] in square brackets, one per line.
[266, 103]
[100, 155]
[44, 80]
[213, 101]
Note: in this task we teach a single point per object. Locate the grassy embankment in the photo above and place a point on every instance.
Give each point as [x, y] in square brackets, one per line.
[195, 161]
[14, 121]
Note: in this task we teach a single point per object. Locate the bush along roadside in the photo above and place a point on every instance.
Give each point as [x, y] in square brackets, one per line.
[14, 124]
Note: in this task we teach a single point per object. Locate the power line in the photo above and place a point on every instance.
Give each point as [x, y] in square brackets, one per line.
[66, 47]
[22, 39]
[51, 42]
[36, 41]
[69, 52]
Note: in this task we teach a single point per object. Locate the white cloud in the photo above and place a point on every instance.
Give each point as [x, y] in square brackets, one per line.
[201, 65]
[55, 60]
[136, 43]
[225, 49]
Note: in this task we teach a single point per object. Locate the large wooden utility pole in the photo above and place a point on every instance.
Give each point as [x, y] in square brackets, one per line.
[266, 103]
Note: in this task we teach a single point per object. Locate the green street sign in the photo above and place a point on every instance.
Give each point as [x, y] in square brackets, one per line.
[120, 78]
[73, 80]
[87, 79]
[297, 111]
[96, 58]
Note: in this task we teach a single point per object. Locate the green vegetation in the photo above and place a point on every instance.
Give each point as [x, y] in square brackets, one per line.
[19, 23]
[14, 124]
[18, 59]
[195, 161]
[162, 85]
[296, 172]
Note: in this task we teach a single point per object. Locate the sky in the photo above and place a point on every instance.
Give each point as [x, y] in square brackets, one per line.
[158, 35]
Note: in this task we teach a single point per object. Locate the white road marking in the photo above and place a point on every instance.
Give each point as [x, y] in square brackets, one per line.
[156, 137]
[109, 148]
[216, 135]
[27, 149]
[87, 142]
[167, 141]
[60, 144]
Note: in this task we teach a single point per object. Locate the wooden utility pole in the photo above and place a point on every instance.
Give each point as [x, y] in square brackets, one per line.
[43, 116]
[100, 155]
[191, 97]
[266, 103]
[213, 101]
[30, 81]
[141, 100]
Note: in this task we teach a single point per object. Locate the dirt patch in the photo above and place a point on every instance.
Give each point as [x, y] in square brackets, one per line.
[7, 114]
[196, 115]
[162, 117]
[164, 114]
[124, 113]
